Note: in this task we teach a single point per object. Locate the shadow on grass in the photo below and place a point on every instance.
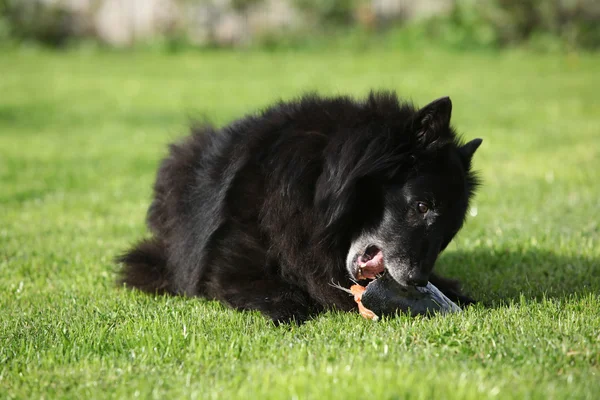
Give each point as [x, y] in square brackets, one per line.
[497, 277]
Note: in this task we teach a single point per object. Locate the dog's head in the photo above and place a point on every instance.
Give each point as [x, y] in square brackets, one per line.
[411, 196]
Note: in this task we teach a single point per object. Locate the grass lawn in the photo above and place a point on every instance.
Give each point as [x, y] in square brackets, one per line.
[81, 135]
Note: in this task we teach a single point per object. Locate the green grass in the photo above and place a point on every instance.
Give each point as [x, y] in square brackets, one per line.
[81, 135]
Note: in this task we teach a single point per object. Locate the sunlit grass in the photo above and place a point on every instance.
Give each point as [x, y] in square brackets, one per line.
[80, 138]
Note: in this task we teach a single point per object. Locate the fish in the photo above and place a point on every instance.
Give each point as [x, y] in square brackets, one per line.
[385, 296]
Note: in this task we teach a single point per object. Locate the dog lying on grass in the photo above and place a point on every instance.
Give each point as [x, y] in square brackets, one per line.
[272, 211]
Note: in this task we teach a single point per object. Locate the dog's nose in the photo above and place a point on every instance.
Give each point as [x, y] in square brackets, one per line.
[417, 280]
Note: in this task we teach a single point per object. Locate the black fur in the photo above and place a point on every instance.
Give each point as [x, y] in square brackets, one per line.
[262, 214]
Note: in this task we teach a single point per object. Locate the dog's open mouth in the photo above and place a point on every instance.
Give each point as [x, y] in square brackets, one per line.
[370, 264]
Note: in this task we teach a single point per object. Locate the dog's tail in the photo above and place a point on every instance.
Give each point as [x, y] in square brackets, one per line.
[145, 267]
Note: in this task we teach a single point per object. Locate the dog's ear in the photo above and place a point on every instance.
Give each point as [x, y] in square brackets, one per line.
[433, 121]
[467, 150]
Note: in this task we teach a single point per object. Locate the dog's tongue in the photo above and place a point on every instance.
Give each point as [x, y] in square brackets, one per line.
[370, 268]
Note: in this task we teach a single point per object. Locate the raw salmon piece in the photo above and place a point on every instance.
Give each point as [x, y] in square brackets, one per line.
[358, 291]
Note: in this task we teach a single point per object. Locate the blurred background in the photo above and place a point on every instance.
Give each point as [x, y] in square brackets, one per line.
[173, 24]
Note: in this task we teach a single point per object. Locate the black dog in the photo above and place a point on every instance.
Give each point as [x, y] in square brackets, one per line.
[267, 213]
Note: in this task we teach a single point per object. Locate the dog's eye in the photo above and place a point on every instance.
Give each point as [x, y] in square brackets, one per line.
[422, 207]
